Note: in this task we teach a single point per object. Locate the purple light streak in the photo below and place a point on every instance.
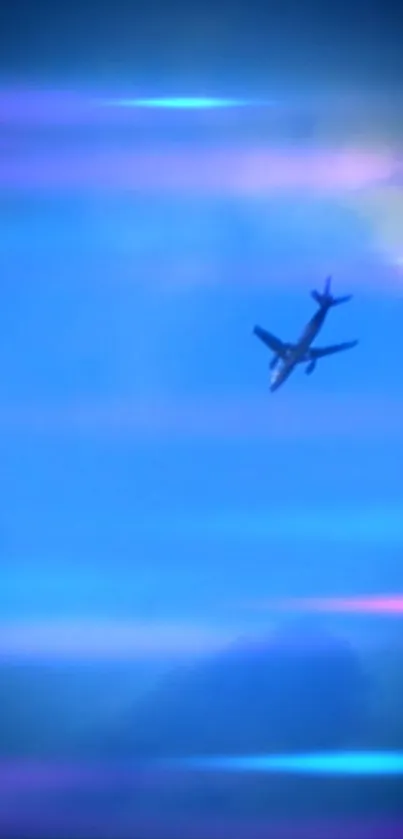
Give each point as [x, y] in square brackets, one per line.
[106, 640]
[39, 106]
[32, 800]
[53, 823]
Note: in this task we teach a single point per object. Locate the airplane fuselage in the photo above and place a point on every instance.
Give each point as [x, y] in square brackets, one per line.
[300, 351]
[311, 330]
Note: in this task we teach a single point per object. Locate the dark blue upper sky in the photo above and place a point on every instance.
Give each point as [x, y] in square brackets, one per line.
[196, 45]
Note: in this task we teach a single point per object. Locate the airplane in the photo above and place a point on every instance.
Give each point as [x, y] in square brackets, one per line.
[287, 356]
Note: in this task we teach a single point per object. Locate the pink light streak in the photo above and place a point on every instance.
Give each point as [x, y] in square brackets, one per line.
[119, 640]
[253, 172]
[383, 605]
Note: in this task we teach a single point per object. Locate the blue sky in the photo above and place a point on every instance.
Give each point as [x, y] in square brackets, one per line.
[148, 473]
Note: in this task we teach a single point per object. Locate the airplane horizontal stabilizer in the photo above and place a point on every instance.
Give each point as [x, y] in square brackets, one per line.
[336, 300]
[328, 300]
[325, 297]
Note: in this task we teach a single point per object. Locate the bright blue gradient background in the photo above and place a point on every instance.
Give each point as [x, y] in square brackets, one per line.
[133, 393]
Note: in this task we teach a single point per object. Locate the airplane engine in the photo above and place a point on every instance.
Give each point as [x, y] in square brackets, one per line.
[310, 368]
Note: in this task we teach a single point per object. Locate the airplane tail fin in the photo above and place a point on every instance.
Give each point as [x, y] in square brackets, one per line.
[325, 298]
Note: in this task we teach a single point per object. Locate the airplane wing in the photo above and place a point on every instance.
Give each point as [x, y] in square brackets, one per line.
[317, 352]
[270, 340]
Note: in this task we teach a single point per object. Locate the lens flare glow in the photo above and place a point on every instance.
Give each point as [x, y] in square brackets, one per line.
[181, 102]
[330, 763]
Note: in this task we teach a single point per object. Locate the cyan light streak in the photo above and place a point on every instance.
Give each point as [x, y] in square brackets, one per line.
[183, 103]
[330, 763]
